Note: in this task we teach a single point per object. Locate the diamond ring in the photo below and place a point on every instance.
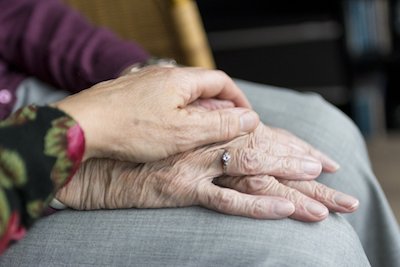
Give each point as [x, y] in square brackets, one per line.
[226, 157]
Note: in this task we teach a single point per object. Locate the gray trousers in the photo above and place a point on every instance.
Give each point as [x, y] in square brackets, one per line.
[195, 236]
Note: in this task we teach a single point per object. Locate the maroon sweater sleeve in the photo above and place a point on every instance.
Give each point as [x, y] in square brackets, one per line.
[48, 40]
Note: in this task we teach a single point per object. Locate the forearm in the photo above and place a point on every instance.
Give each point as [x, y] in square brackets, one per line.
[46, 39]
[40, 149]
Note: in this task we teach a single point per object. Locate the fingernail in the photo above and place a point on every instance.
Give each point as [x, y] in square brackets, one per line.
[283, 208]
[333, 165]
[248, 121]
[316, 209]
[346, 201]
[311, 167]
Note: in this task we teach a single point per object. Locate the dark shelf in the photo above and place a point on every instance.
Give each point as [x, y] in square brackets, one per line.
[345, 61]
[235, 14]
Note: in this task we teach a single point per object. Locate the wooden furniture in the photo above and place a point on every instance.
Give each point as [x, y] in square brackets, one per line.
[165, 28]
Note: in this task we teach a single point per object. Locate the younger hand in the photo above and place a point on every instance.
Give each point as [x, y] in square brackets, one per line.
[143, 116]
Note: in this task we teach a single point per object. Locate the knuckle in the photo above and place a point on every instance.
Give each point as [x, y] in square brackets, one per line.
[261, 185]
[248, 163]
[222, 74]
[295, 196]
[253, 184]
[229, 125]
[292, 195]
[224, 130]
[288, 165]
[267, 145]
[254, 141]
[224, 201]
[258, 208]
[320, 192]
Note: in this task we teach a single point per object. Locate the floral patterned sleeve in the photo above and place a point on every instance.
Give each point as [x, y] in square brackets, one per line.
[40, 149]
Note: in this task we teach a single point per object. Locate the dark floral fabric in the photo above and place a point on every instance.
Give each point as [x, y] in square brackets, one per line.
[40, 149]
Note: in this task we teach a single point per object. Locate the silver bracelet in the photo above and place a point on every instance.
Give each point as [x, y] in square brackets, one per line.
[57, 204]
[162, 62]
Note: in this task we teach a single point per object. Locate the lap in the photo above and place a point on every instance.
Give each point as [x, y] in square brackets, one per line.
[183, 237]
[195, 236]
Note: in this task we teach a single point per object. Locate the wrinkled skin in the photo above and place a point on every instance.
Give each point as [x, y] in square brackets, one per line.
[270, 176]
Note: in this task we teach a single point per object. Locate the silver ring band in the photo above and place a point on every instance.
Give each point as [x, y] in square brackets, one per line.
[226, 157]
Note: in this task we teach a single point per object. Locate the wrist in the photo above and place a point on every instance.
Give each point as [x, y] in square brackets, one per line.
[76, 135]
[153, 61]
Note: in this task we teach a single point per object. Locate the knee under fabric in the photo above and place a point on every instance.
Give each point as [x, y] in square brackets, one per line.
[195, 236]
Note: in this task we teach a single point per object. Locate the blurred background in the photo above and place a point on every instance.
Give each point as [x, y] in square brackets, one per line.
[346, 50]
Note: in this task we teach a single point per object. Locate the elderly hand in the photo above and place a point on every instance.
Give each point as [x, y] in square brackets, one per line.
[310, 198]
[143, 116]
[178, 181]
[187, 179]
[287, 164]
[275, 141]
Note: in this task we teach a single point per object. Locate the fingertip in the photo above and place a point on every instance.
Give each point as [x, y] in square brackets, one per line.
[316, 210]
[283, 208]
[248, 121]
[329, 165]
[330, 169]
[349, 203]
[274, 208]
[354, 207]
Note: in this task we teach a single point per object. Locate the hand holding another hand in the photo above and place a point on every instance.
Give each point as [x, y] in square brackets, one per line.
[267, 178]
[143, 116]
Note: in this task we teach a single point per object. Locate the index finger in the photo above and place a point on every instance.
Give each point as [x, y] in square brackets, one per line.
[328, 164]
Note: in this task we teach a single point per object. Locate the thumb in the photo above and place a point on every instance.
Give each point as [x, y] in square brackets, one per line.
[223, 125]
